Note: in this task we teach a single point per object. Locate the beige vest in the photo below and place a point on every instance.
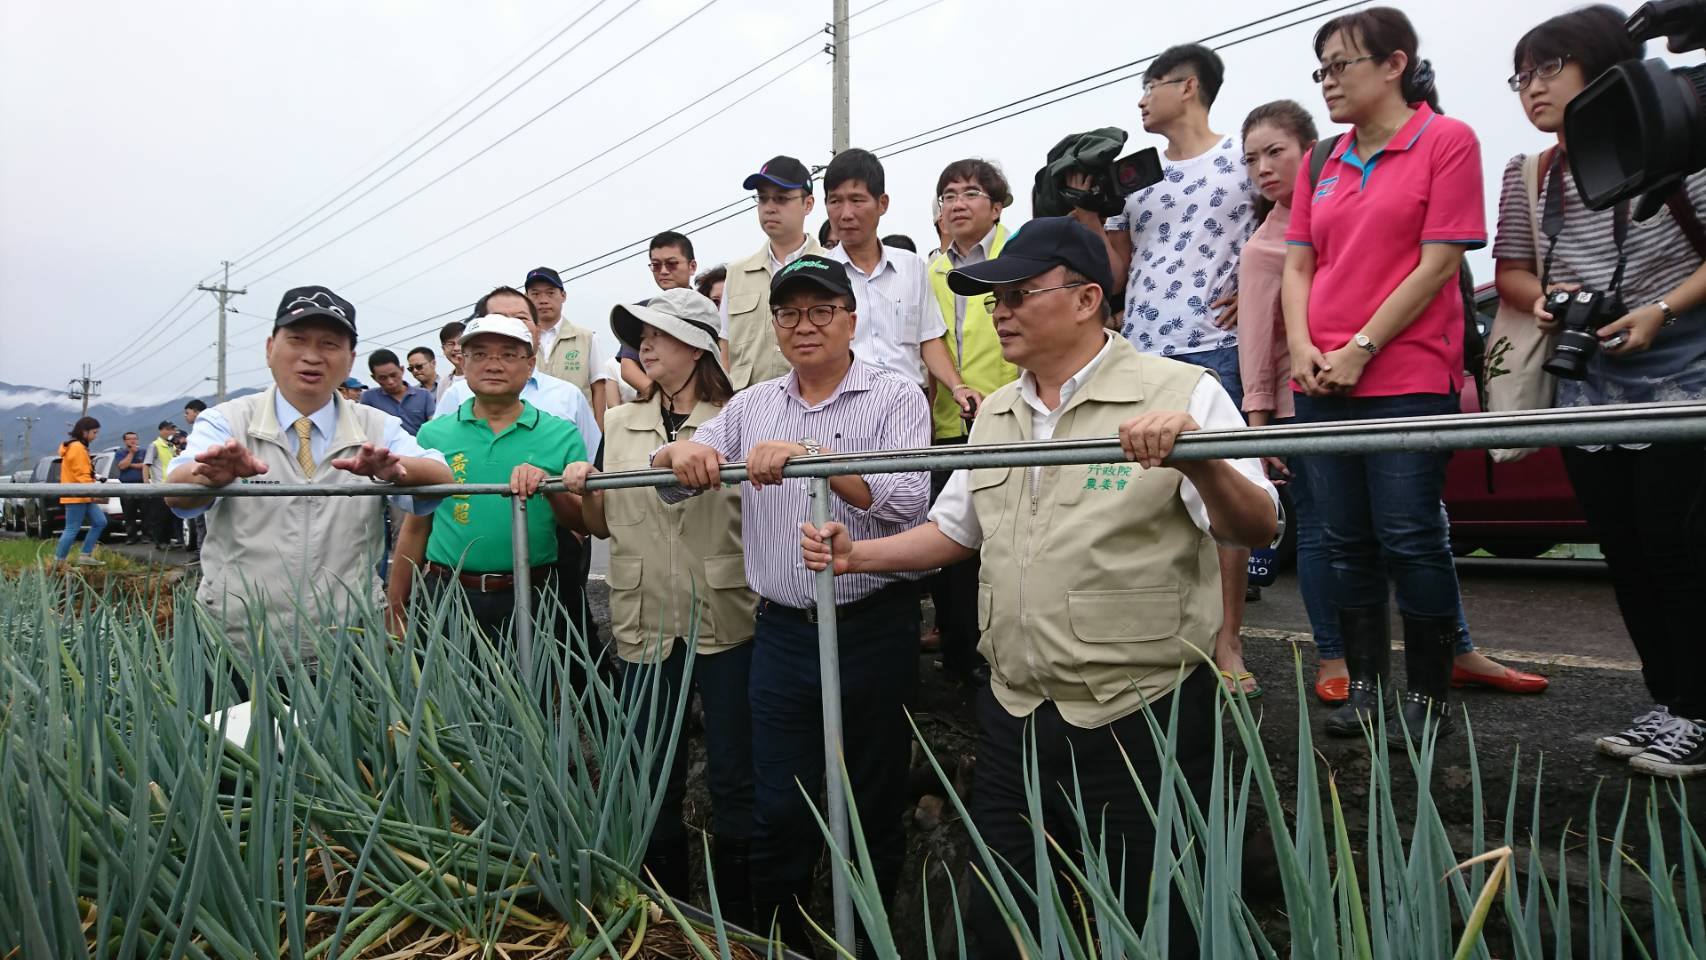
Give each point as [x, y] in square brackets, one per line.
[291, 554]
[754, 356]
[1095, 585]
[673, 568]
[572, 357]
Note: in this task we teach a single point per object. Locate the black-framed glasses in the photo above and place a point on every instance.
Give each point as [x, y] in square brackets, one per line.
[821, 315]
[417, 367]
[1545, 70]
[1337, 67]
[1013, 299]
[1150, 85]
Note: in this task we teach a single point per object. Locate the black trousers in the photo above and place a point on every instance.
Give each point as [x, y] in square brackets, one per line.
[1111, 800]
[135, 511]
[1645, 508]
[953, 590]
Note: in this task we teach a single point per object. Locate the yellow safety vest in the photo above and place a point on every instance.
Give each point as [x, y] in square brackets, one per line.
[982, 368]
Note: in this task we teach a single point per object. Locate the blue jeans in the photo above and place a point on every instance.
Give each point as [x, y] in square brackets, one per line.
[75, 514]
[1382, 512]
[879, 680]
[1315, 568]
[1224, 362]
[721, 679]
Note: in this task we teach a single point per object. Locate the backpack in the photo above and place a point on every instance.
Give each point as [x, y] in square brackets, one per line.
[1474, 342]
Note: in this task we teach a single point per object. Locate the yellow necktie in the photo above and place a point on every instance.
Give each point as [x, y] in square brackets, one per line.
[304, 452]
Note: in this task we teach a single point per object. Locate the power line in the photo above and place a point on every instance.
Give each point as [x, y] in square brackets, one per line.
[574, 22]
[808, 38]
[489, 147]
[120, 352]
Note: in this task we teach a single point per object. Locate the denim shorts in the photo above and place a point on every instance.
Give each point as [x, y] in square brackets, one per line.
[1224, 362]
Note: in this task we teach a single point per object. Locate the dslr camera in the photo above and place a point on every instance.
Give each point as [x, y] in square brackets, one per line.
[1640, 127]
[1113, 178]
[1580, 313]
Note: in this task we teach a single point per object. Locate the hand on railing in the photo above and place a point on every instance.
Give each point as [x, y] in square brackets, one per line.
[1149, 439]
[374, 461]
[224, 463]
[822, 546]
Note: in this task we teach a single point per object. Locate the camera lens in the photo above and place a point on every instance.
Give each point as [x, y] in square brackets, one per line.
[1638, 126]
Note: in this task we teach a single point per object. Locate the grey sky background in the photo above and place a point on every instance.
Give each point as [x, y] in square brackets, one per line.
[146, 142]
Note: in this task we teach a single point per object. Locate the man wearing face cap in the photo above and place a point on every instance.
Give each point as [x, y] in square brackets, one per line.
[1099, 592]
[278, 561]
[830, 401]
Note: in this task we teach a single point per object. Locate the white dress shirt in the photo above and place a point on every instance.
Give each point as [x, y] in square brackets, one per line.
[898, 313]
[1210, 406]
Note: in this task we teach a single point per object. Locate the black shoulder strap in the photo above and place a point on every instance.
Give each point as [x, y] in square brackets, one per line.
[1318, 157]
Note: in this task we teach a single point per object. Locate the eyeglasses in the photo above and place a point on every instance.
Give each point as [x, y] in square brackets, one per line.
[1015, 298]
[1520, 80]
[506, 356]
[777, 199]
[821, 315]
[972, 195]
[417, 367]
[671, 264]
[1337, 68]
[1150, 85]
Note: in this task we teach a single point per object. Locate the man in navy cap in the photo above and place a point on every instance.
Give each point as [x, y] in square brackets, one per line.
[1099, 590]
[293, 565]
[783, 188]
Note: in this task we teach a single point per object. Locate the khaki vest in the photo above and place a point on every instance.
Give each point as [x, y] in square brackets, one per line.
[312, 554]
[754, 356]
[572, 358]
[982, 367]
[673, 568]
[1095, 586]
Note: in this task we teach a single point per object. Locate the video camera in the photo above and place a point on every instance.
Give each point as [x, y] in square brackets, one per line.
[1640, 127]
[1112, 177]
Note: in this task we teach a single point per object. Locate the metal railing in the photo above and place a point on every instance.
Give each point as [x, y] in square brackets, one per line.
[1592, 426]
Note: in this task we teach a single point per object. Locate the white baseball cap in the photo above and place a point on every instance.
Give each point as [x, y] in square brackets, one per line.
[496, 324]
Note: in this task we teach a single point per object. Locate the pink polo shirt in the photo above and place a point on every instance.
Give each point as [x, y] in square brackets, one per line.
[1367, 221]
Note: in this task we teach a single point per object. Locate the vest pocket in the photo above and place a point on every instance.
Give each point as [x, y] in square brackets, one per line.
[1124, 616]
[624, 573]
[727, 572]
[988, 502]
[623, 508]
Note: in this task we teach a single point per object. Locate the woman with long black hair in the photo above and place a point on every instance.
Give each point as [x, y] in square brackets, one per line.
[76, 467]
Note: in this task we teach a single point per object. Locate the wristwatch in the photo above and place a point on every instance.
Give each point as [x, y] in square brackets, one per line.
[1670, 315]
[1363, 342]
[813, 448]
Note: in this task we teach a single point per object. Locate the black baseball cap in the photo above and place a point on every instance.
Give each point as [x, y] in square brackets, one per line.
[304, 303]
[166, 423]
[542, 273]
[821, 272]
[785, 172]
[1038, 246]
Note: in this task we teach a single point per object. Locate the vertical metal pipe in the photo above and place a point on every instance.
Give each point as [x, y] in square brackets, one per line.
[523, 581]
[829, 671]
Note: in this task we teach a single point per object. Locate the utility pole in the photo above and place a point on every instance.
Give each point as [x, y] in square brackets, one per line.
[29, 430]
[840, 134]
[224, 293]
[82, 388]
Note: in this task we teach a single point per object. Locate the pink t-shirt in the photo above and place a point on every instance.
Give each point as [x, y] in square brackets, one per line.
[1367, 222]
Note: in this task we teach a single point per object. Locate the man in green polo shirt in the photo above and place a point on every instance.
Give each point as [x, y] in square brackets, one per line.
[494, 437]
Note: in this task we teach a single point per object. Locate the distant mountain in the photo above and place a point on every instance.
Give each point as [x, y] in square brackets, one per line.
[58, 412]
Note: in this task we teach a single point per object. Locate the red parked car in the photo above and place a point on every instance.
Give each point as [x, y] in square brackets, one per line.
[1519, 509]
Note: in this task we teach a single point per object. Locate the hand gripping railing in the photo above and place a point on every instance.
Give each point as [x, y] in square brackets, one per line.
[1589, 426]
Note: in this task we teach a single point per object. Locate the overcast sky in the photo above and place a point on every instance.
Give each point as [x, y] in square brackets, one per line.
[146, 142]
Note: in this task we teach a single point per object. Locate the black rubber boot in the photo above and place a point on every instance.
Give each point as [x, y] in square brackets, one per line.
[783, 922]
[731, 866]
[1368, 657]
[669, 867]
[1429, 646]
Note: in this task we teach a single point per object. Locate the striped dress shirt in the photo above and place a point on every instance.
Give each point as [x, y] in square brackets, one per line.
[871, 410]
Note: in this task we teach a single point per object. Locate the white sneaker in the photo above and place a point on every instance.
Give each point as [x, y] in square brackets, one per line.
[1638, 737]
[84, 560]
[1678, 752]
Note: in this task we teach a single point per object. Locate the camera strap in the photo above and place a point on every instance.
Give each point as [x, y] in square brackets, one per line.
[1552, 224]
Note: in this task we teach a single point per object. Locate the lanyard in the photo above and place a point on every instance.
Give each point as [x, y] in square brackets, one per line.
[1552, 224]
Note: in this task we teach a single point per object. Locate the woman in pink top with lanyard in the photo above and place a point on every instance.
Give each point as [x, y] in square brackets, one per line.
[1374, 322]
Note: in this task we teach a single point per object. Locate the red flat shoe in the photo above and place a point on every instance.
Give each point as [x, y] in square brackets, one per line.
[1333, 691]
[1510, 681]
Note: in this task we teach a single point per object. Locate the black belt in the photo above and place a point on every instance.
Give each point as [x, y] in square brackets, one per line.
[843, 611]
[487, 582]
